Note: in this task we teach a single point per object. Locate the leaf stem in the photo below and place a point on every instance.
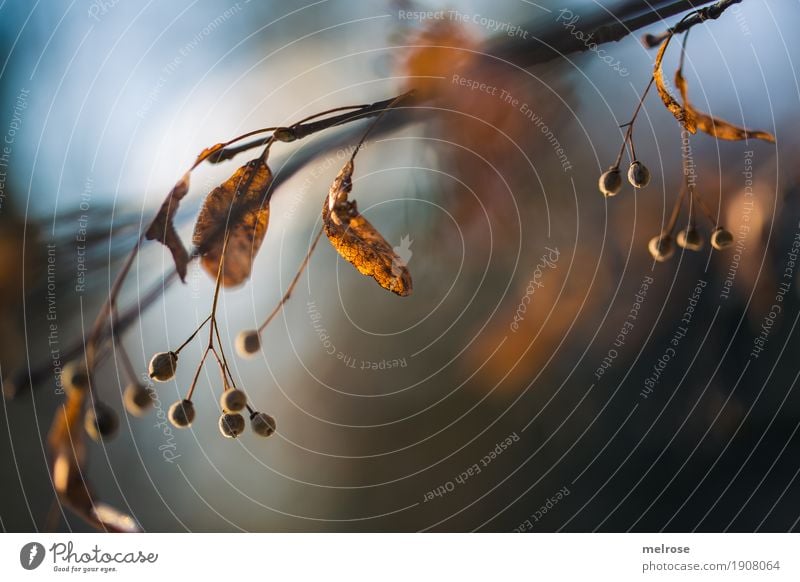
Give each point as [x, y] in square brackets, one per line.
[629, 125]
[293, 284]
[676, 208]
[197, 374]
[191, 337]
[394, 102]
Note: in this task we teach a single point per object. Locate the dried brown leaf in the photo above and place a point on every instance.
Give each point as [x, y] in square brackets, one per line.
[714, 126]
[358, 242]
[68, 455]
[685, 117]
[238, 209]
[163, 230]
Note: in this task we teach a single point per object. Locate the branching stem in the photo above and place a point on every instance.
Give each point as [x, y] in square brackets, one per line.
[293, 284]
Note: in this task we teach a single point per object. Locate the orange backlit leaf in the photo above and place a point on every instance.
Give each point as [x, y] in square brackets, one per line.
[358, 242]
[237, 208]
[713, 126]
[685, 117]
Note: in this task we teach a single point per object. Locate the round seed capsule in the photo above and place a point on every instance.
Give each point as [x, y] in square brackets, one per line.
[638, 174]
[231, 425]
[163, 365]
[233, 400]
[101, 421]
[138, 398]
[721, 238]
[690, 239]
[262, 424]
[181, 413]
[661, 248]
[610, 182]
[75, 377]
[248, 342]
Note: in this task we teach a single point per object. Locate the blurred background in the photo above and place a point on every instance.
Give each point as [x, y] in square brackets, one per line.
[544, 375]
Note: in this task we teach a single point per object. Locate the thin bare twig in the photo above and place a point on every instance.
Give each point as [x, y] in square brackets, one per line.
[698, 17]
[293, 284]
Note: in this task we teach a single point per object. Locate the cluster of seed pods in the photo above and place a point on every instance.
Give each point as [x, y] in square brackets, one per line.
[610, 182]
[662, 246]
[101, 420]
[233, 402]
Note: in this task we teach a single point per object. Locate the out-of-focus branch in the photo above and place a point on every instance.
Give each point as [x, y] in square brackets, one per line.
[301, 130]
[599, 27]
[708, 13]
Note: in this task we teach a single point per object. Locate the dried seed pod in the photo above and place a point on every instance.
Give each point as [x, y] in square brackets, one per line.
[138, 398]
[690, 239]
[233, 400]
[181, 413]
[75, 377]
[231, 425]
[610, 182]
[721, 238]
[262, 424]
[661, 247]
[100, 421]
[163, 366]
[248, 342]
[638, 174]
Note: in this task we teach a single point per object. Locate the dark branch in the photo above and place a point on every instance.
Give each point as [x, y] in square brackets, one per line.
[708, 13]
[302, 130]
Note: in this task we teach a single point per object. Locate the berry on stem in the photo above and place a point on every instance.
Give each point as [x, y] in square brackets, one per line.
[233, 400]
[610, 182]
[163, 366]
[75, 377]
[721, 238]
[638, 174]
[231, 425]
[248, 342]
[262, 424]
[100, 421]
[690, 239]
[138, 398]
[181, 413]
[661, 248]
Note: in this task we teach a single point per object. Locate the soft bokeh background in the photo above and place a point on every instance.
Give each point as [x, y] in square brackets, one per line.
[115, 99]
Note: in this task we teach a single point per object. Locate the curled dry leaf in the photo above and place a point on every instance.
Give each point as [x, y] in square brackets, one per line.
[714, 126]
[163, 230]
[358, 242]
[68, 457]
[684, 116]
[238, 209]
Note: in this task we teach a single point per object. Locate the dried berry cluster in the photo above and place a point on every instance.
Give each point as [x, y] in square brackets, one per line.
[228, 233]
[662, 246]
